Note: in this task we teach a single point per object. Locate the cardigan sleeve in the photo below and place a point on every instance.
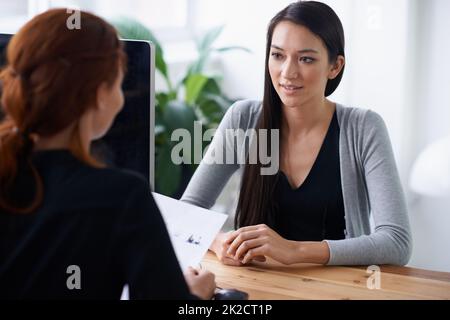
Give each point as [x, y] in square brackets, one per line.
[391, 241]
[213, 171]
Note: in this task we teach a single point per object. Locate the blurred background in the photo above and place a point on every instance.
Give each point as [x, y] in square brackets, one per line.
[213, 54]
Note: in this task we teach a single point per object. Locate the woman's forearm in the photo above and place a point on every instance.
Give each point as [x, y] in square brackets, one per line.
[312, 252]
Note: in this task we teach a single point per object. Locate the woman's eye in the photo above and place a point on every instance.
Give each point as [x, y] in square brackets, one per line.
[276, 55]
[307, 59]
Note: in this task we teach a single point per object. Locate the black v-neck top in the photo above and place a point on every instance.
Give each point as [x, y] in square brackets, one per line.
[315, 210]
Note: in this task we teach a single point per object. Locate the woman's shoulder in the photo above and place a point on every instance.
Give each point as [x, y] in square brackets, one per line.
[104, 186]
[62, 170]
[121, 188]
[72, 184]
[246, 106]
[243, 114]
[357, 119]
[119, 180]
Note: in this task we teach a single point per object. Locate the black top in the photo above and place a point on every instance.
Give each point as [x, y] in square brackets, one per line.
[104, 221]
[315, 210]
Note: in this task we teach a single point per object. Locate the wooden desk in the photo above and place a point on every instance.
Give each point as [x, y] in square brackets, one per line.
[271, 280]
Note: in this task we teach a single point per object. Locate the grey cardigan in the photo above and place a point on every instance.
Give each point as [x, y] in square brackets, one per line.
[370, 185]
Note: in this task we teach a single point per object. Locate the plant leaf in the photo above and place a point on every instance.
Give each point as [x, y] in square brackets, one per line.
[224, 49]
[162, 98]
[159, 129]
[132, 29]
[178, 115]
[204, 49]
[213, 108]
[198, 65]
[194, 85]
[208, 39]
[211, 86]
[167, 174]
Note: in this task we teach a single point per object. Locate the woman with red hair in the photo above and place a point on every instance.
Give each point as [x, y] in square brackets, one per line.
[69, 226]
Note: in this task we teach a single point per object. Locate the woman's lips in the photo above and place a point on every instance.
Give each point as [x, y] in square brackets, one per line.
[290, 88]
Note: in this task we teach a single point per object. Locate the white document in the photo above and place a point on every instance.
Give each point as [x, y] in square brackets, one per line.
[192, 229]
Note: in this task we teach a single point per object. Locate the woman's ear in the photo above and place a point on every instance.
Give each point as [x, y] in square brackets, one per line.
[336, 67]
[102, 92]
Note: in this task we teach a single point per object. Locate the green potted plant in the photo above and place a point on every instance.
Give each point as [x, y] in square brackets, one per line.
[196, 97]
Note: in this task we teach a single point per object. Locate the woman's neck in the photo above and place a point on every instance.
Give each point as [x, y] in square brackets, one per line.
[76, 135]
[299, 121]
[62, 140]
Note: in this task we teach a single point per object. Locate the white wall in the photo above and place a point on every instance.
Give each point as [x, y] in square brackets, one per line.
[430, 217]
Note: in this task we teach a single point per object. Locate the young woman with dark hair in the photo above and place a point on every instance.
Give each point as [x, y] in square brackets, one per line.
[60, 209]
[336, 163]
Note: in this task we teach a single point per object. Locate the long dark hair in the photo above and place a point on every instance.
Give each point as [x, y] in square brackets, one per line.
[50, 80]
[257, 202]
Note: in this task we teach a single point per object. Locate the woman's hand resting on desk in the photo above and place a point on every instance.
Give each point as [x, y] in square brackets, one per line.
[220, 248]
[201, 282]
[256, 242]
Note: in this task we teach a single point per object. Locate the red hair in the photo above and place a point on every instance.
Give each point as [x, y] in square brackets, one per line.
[50, 80]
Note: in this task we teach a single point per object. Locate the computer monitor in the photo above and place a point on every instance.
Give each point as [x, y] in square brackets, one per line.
[130, 142]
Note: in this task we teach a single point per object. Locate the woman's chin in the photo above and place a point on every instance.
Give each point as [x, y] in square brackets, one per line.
[292, 103]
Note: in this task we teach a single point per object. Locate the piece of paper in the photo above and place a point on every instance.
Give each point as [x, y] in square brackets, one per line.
[192, 229]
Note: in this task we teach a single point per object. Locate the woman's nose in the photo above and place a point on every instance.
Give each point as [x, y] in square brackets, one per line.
[289, 70]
